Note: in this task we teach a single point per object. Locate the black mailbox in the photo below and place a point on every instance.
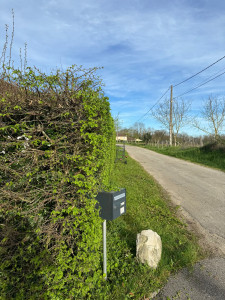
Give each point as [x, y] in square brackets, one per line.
[112, 204]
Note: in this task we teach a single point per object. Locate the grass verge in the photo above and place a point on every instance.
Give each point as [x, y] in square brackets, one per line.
[148, 207]
[212, 155]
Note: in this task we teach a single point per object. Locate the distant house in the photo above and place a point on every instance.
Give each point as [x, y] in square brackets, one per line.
[121, 138]
[137, 140]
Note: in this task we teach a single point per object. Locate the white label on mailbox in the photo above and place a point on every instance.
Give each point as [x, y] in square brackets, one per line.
[122, 203]
[119, 196]
[122, 210]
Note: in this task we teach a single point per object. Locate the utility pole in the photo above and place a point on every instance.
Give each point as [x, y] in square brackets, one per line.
[171, 116]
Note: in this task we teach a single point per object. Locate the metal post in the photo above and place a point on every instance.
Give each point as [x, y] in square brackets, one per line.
[104, 250]
[171, 115]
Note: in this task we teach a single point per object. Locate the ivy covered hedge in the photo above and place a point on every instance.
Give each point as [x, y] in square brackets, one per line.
[56, 152]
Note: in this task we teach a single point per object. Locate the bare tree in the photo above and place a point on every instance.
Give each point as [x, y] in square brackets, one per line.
[213, 113]
[139, 129]
[117, 124]
[180, 115]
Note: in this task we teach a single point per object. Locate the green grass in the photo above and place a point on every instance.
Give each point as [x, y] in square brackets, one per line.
[148, 207]
[212, 155]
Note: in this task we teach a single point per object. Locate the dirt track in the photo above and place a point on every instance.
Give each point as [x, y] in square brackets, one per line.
[198, 190]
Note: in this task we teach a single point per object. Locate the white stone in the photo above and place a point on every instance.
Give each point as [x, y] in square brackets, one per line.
[149, 248]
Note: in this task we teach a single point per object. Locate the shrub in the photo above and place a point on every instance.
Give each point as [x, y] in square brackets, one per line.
[57, 150]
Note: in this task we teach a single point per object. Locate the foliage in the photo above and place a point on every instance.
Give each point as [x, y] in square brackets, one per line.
[147, 137]
[57, 150]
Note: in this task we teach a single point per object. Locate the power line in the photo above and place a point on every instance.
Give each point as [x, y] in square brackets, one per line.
[185, 81]
[200, 85]
[199, 72]
[153, 105]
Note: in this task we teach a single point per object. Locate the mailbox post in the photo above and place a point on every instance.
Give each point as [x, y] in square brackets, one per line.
[112, 205]
[104, 249]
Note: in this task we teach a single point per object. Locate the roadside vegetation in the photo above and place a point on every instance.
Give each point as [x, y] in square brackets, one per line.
[211, 155]
[148, 207]
[57, 150]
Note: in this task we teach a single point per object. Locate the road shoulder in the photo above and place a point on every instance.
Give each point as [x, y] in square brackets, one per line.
[205, 281]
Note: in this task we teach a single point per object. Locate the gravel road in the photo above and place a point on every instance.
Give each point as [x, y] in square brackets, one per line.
[198, 190]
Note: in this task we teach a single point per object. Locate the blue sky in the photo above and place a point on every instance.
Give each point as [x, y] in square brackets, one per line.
[143, 45]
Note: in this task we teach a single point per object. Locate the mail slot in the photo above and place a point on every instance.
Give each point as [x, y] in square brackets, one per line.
[112, 204]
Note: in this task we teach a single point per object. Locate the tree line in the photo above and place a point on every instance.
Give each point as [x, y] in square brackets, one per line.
[210, 121]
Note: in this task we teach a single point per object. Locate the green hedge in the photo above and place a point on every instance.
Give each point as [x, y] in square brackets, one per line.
[57, 149]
